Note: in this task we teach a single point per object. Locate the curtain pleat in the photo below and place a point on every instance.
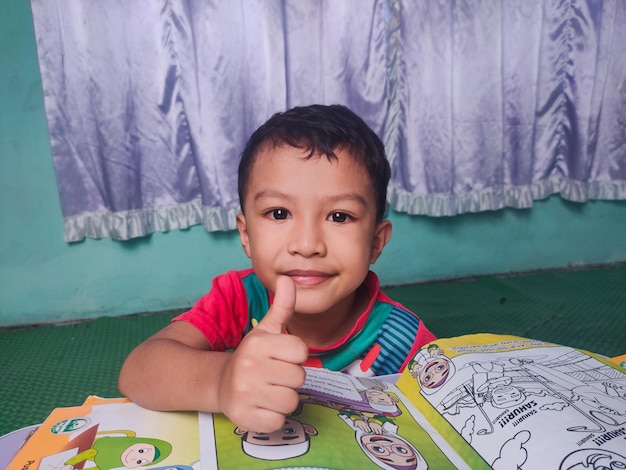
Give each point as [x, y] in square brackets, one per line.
[498, 103]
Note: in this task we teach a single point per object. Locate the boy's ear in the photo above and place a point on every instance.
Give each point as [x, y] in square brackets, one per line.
[382, 234]
[243, 233]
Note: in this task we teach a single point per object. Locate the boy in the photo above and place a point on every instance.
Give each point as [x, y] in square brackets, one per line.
[312, 187]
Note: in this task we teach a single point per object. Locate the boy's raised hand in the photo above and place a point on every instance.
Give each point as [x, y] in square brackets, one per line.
[258, 385]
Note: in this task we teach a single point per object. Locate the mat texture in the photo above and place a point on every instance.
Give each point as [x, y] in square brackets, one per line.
[50, 366]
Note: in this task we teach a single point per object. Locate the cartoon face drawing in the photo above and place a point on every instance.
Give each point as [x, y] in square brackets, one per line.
[390, 450]
[593, 459]
[138, 455]
[128, 452]
[431, 368]
[292, 440]
[292, 432]
[434, 373]
[377, 396]
[385, 447]
[507, 395]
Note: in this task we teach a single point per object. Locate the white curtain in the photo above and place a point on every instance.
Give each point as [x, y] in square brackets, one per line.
[482, 104]
[496, 103]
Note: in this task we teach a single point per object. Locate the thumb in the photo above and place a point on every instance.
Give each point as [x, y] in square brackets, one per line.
[282, 308]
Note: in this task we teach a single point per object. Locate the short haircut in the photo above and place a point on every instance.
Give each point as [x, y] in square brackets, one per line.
[321, 130]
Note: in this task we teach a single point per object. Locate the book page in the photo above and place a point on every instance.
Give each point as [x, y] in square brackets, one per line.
[520, 403]
[112, 434]
[342, 422]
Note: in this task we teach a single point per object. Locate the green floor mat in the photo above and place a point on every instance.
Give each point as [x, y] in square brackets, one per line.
[52, 366]
[581, 308]
[46, 367]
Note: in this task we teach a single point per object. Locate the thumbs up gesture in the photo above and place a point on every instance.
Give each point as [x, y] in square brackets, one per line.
[258, 384]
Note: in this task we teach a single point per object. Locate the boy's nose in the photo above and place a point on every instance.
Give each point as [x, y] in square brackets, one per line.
[306, 239]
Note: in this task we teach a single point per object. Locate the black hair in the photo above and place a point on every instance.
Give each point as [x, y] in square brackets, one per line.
[320, 130]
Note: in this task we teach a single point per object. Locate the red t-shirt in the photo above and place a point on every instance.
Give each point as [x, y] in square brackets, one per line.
[384, 338]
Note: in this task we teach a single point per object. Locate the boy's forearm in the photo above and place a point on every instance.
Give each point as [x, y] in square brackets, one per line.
[164, 374]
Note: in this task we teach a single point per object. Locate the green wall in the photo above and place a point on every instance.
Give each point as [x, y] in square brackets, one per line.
[43, 279]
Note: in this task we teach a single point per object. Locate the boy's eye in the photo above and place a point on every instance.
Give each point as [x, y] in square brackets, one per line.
[278, 214]
[339, 217]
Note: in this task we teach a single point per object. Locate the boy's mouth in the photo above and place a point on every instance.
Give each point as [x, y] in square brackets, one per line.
[307, 278]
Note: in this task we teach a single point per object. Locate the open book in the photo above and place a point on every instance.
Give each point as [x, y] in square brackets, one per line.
[111, 434]
[520, 403]
[476, 401]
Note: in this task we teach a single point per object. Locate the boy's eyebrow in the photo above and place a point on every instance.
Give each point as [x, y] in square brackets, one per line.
[348, 196]
[269, 193]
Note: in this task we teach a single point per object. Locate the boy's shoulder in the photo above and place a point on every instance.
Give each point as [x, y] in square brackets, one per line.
[232, 278]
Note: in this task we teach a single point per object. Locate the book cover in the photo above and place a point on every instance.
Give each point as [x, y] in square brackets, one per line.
[619, 360]
[111, 434]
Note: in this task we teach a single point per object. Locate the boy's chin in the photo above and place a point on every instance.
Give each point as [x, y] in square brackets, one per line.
[308, 310]
[310, 303]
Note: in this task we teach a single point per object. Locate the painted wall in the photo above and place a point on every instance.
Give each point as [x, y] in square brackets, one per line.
[43, 279]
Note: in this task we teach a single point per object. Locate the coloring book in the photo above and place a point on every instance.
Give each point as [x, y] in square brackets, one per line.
[343, 422]
[476, 401]
[471, 402]
[111, 434]
[521, 404]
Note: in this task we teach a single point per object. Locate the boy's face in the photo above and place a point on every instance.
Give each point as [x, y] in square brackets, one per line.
[314, 221]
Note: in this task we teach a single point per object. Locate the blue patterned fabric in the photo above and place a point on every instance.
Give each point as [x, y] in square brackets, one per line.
[396, 335]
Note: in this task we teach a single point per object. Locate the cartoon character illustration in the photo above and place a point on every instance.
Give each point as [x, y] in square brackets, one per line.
[384, 447]
[508, 383]
[566, 381]
[366, 395]
[127, 451]
[488, 383]
[382, 401]
[522, 397]
[593, 459]
[373, 401]
[370, 410]
[431, 368]
[367, 422]
[292, 440]
[614, 390]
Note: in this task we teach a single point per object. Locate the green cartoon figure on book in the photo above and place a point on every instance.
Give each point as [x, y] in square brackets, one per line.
[121, 449]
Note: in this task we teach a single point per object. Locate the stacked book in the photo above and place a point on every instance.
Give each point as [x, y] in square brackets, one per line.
[475, 401]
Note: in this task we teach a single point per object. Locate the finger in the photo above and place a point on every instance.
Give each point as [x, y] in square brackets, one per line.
[281, 311]
[287, 372]
[263, 421]
[278, 399]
